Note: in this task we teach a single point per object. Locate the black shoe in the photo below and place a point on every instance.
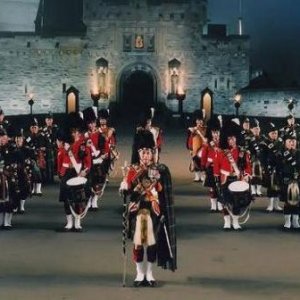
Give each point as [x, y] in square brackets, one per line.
[227, 229]
[152, 283]
[78, 230]
[67, 229]
[7, 227]
[21, 212]
[137, 283]
[39, 194]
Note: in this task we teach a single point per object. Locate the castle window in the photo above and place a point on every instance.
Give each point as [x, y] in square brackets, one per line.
[172, 16]
[174, 78]
[216, 83]
[102, 71]
[228, 84]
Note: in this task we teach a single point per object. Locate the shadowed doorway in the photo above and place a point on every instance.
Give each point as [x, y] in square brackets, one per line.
[138, 93]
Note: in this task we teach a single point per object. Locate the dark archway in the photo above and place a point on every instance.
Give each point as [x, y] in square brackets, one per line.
[138, 92]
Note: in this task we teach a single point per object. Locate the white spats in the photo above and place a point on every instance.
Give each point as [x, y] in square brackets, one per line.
[7, 219]
[139, 272]
[197, 177]
[253, 190]
[295, 221]
[287, 221]
[271, 205]
[213, 204]
[149, 273]
[235, 222]
[69, 224]
[227, 222]
[258, 190]
[220, 206]
[77, 223]
[94, 202]
[39, 188]
[277, 207]
[22, 205]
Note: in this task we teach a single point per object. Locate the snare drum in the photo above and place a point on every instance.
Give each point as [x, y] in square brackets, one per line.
[240, 195]
[76, 186]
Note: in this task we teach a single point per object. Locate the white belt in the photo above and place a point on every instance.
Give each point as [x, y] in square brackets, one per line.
[97, 161]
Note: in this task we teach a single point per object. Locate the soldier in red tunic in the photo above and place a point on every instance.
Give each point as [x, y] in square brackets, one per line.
[209, 154]
[232, 165]
[151, 215]
[195, 142]
[74, 162]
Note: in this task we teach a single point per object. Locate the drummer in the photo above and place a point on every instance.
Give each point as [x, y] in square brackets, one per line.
[231, 164]
[73, 160]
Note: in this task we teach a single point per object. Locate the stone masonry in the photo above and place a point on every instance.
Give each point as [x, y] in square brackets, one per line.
[127, 36]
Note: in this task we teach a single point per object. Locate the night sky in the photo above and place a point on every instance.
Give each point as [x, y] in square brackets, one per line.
[274, 28]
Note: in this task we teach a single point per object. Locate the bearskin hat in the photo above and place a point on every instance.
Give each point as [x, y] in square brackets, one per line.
[290, 135]
[103, 114]
[270, 127]
[290, 116]
[213, 125]
[15, 132]
[230, 128]
[19, 132]
[246, 120]
[89, 115]
[49, 115]
[198, 115]
[147, 114]
[254, 123]
[142, 139]
[34, 122]
[1, 111]
[73, 121]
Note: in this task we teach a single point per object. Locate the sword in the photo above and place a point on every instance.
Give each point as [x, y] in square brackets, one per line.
[162, 221]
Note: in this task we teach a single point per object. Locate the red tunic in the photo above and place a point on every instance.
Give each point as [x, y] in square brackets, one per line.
[64, 161]
[209, 154]
[223, 168]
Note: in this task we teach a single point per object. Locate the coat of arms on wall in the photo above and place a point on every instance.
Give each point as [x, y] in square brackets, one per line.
[139, 41]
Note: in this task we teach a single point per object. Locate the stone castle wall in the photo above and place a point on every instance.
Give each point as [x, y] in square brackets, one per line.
[170, 31]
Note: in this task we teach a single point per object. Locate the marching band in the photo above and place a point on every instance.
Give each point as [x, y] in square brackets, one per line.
[233, 159]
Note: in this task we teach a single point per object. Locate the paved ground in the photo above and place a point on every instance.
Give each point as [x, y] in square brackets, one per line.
[37, 262]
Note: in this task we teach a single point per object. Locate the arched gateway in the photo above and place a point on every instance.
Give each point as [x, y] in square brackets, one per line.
[137, 89]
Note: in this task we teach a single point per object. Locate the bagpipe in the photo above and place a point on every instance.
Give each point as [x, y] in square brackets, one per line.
[3, 184]
[41, 158]
[11, 173]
